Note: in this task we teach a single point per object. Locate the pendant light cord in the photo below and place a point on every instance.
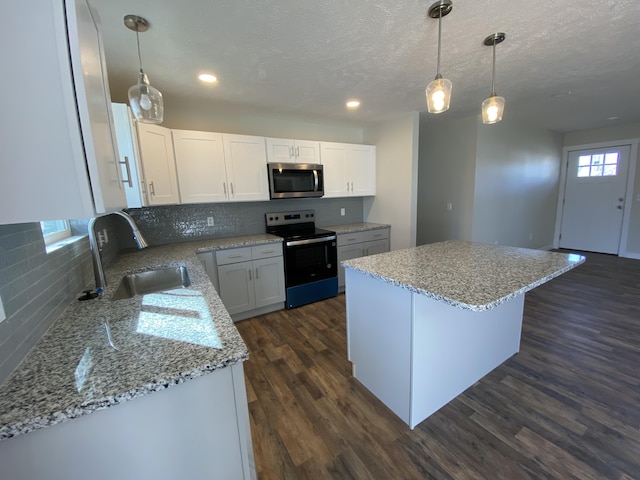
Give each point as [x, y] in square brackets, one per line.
[439, 41]
[493, 72]
[140, 56]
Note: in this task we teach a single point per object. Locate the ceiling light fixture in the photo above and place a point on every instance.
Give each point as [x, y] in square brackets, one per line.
[353, 103]
[145, 101]
[439, 90]
[493, 107]
[207, 78]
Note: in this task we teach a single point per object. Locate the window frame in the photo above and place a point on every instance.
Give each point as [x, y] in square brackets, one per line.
[62, 231]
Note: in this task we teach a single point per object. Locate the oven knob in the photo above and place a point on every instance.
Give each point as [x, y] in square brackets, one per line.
[311, 215]
[270, 218]
[328, 265]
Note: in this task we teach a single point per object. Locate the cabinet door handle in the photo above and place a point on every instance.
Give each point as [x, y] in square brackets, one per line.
[347, 186]
[249, 270]
[297, 152]
[351, 187]
[128, 169]
[224, 187]
[257, 274]
[231, 185]
[291, 154]
[152, 189]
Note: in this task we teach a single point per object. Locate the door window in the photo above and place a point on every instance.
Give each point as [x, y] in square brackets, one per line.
[598, 165]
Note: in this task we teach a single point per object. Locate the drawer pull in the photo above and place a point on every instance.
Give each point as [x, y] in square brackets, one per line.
[267, 251]
[235, 256]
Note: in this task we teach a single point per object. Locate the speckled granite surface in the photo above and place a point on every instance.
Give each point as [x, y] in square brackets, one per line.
[355, 227]
[467, 275]
[163, 339]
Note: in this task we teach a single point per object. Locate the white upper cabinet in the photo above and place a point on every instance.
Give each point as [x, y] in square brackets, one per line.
[283, 150]
[349, 169]
[220, 167]
[158, 164]
[246, 165]
[361, 169]
[57, 150]
[201, 170]
[130, 167]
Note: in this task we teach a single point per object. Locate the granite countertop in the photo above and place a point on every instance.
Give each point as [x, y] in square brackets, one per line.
[163, 339]
[467, 275]
[355, 227]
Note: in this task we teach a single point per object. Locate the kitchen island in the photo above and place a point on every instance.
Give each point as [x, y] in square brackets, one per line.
[145, 387]
[426, 323]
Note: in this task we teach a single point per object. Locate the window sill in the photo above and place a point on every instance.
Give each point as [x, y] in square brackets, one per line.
[52, 247]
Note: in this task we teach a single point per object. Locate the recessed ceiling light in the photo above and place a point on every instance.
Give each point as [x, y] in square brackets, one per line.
[353, 103]
[613, 118]
[562, 94]
[207, 78]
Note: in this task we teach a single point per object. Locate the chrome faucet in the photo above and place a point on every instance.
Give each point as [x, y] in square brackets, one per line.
[98, 270]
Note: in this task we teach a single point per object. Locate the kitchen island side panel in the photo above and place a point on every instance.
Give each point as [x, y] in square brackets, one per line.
[453, 348]
[379, 339]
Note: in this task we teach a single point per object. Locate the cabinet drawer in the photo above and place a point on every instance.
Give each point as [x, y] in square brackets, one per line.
[266, 251]
[378, 234]
[233, 255]
[351, 238]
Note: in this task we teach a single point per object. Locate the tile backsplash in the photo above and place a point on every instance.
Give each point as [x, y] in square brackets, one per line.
[181, 223]
[35, 287]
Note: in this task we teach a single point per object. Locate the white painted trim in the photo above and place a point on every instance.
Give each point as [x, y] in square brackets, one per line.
[633, 255]
[631, 171]
[628, 202]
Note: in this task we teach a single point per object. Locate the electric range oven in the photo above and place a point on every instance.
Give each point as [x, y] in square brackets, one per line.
[310, 257]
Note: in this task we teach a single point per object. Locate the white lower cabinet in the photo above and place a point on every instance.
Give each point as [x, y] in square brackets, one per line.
[198, 429]
[250, 280]
[360, 244]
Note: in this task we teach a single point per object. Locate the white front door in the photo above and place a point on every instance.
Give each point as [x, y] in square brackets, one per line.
[595, 190]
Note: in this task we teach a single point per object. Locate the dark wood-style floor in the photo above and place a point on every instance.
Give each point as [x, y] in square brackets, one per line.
[567, 406]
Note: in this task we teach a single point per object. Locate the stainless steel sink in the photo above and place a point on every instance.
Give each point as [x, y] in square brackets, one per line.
[151, 281]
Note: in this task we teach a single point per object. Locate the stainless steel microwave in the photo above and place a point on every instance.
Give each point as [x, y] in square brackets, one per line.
[295, 180]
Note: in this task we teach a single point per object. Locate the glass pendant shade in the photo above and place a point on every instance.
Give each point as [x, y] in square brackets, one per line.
[492, 109]
[146, 101]
[438, 95]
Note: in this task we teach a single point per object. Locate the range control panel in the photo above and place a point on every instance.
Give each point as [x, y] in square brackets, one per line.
[289, 218]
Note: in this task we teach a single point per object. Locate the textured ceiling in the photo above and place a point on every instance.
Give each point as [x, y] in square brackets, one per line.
[307, 57]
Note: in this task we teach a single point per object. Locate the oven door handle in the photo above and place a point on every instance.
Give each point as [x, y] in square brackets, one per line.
[309, 241]
[315, 180]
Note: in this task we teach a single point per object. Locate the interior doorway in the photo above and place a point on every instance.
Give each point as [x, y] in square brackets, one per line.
[594, 199]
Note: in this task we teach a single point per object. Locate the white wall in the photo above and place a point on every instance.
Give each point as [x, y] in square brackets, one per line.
[395, 202]
[516, 184]
[189, 114]
[613, 134]
[446, 174]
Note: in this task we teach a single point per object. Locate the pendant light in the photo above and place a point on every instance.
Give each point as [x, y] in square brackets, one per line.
[493, 107]
[145, 101]
[439, 90]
